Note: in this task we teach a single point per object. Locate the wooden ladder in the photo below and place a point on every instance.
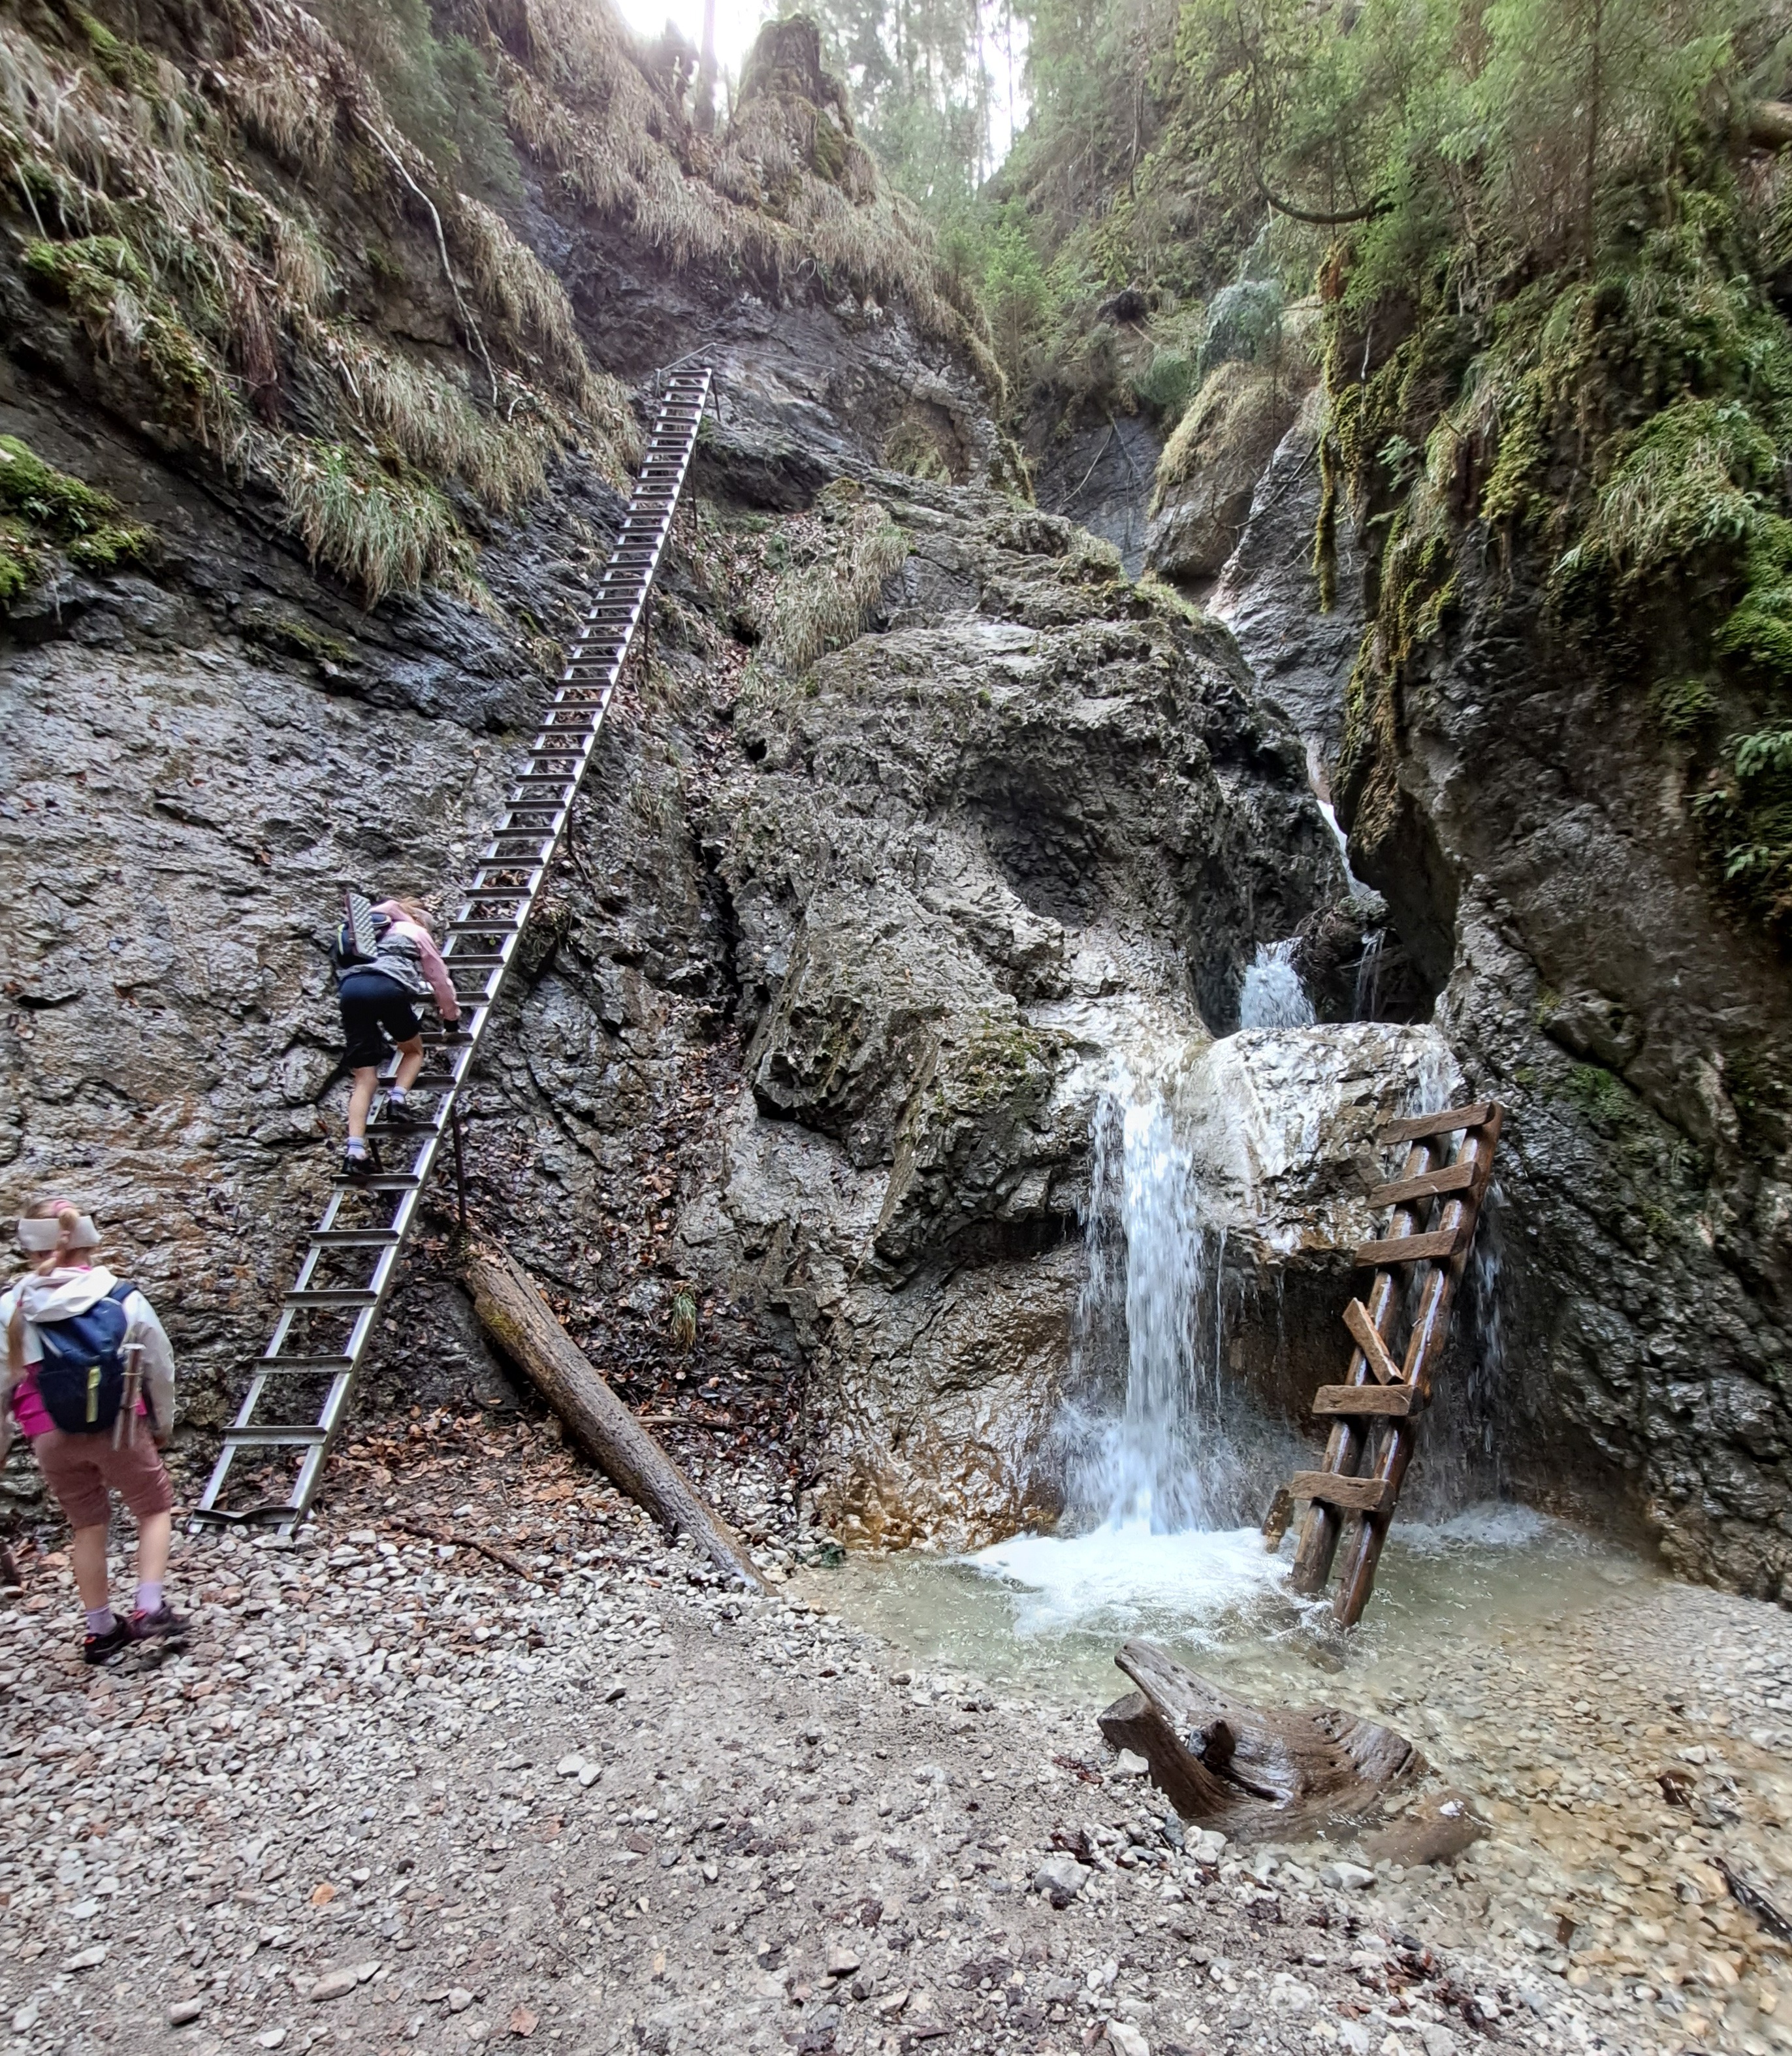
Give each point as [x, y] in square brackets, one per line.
[327, 1320]
[1375, 1414]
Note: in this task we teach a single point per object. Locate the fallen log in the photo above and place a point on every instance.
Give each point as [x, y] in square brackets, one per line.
[523, 1325]
[1252, 1771]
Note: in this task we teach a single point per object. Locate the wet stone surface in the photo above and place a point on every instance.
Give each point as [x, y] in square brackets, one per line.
[400, 1793]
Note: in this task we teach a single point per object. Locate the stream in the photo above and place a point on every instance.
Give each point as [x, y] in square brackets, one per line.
[1542, 1669]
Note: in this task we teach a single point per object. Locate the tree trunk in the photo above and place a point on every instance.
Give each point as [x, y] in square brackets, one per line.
[523, 1325]
[706, 73]
[1251, 1771]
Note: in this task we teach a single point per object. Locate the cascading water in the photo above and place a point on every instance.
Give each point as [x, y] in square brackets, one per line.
[1273, 996]
[1153, 1292]
[1366, 1002]
[1184, 1449]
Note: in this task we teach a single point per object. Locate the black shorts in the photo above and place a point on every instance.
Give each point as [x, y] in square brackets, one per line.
[377, 1012]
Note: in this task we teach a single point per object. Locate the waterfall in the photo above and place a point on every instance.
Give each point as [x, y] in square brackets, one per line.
[1152, 1313]
[1366, 1003]
[1273, 996]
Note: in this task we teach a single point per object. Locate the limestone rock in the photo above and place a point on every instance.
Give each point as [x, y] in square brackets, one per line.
[1061, 1879]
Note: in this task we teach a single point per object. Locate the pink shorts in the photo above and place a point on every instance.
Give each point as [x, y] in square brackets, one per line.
[81, 1469]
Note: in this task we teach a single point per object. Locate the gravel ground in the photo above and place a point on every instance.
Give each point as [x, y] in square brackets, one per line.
[400, 1792]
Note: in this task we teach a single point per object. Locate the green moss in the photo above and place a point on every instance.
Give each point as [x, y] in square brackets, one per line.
[1603, 1097]
[295, 636]
[87, 272]
[1684, 707]
[126, 64]
[43, 509]
[21, 563]
[107, 548]
[49, 500]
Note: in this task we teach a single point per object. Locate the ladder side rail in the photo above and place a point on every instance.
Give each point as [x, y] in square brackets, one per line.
[1349, 1438]
[1424, 1351]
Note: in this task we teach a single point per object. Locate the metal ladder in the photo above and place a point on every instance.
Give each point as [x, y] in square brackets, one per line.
[327, 1320]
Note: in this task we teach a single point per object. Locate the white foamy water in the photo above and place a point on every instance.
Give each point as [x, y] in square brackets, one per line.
[1124, 1571]
[1273, 996]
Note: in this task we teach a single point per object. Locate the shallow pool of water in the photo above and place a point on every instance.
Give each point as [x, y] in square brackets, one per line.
[1043, 1614]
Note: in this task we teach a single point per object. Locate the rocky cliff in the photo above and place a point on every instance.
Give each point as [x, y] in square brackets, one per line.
[918, 815]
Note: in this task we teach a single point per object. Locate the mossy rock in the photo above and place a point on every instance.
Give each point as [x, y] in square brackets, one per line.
[43, 510]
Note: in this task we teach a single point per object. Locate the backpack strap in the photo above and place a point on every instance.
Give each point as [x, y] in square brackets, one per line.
[122, 1293]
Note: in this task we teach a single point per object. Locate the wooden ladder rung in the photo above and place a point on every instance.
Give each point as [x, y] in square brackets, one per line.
[1427, 1185]
[1407, 1248]
[1353, 1495]
[1351, 1401]
[1417, 1127]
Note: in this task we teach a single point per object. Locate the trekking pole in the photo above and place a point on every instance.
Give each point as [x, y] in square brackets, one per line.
[460, 1166]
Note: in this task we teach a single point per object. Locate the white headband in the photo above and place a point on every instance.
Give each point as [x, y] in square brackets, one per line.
[41, 1234]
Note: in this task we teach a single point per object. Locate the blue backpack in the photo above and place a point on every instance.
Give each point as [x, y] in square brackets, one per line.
[81, 1378]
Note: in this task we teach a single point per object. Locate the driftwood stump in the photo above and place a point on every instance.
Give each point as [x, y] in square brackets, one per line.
[1251, 1771]
[524, 1326]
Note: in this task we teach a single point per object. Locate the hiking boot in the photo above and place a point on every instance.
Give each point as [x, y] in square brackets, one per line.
[399, 1112]
[357, 1166]
[105, 1648]
[163, 1621]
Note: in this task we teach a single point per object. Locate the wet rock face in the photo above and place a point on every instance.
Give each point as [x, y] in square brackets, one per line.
[1539, 862]
[1207, 482]
[806, 388]
[962, 860]
[1268, 594]
[196, 763]
[1099, 475]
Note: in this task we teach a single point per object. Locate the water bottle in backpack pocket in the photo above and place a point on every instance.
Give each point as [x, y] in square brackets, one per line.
[84, 1375]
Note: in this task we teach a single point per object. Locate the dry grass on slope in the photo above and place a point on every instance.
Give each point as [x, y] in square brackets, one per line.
[133, 196]
[786, 195]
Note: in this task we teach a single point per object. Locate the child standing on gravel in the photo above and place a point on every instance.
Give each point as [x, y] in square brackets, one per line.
[89, 1381]
[377, 999]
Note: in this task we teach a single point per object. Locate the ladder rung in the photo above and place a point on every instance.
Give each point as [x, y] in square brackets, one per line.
[381, 1181]
[1416, 1127]
[353, 1237]
[1428, 1185]
[1408, 1249]
[1349, 1402]
[1353, 1495]
[331, 1295]
[302, 1366]
[282, 1435]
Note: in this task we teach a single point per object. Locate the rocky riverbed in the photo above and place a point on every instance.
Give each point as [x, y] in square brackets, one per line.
[409, 1792]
